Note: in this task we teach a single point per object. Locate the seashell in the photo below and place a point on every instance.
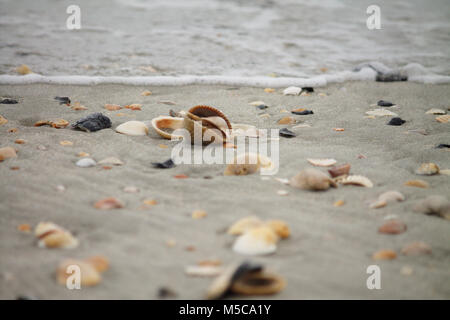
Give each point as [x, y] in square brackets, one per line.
[443, 119]
[86, 163]
[93, 122]
[339, 203]
[396, 121]
[256, 241]
[392, 226]
[7, 152]
[339, 129]
[258, 283]
[387, 197]
[311, 179]
[244, 130]
[51, 235]
[203, 271]
[357, 181]
[444, 171]
[66, 143]
[3, 120]
[111, 160]
[381, 113]
[199, 214]
[60, 188]
[60, 123]
[292, 91]
[257, 103]
[165, 125]
[25, 227]
[181, 176]
[322, 162]
[134, 106]
[416, 248]
[286, 120]
[243, 225]
[427, 169]
[83, 154]
[287, 133]
[23, 69]
[133, 128]
[77, 106]
[269, 90]
[434, 205]
[168, 102]
[248, 163]
[436, 111]
[131, 189]
[303, 125]
[108, 204]
[385, 254]
[383, 103]
[210, 122]
[90, 270]
[146, 93]
[343, 169]
[100, 263]
[279, 227]
[282, 192]
[417, 183]
[112, 107]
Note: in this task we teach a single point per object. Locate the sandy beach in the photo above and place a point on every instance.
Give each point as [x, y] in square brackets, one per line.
[330, 247]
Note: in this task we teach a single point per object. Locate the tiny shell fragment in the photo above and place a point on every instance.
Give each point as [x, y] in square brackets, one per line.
[66, 143]
[337, 171]
[111, 160]
[244, 224]
[427, 169]
[269, 90]
[3, 120]
[436, 111]
[322, 162]
[381, 113]
[417, 183]
[286, 120]
[24, 227]
[146, 93]
[131, 189]
[19, 141]
[416, 248]
[357, 181]
[112, 107]
[199, 214]
[384, 255]
[392, 226]
[108, 204]
[339, 203]
[134, 106]
[23, 69]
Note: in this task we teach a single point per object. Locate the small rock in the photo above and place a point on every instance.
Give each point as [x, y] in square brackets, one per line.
[86, 163]
[442, 146]
[93, 122]
[383, 103]
[164, 165]
[63, 100]
[396, 121]
[392, 226]
[302, 112]
[8, 101]
[287, 133]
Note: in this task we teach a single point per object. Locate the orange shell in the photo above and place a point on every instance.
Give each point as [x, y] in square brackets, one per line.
[207, 111]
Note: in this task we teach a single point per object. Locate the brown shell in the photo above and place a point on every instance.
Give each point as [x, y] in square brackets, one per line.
[202, 111]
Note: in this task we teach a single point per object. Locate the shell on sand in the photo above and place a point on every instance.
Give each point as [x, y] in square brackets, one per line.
[416, 248]
[51, 235]
[256, 103]
[311, 179]
[244, 224]
[427, 169]
[3, 120]
[292, 91]
[434, 205]
[112, 107]
[280, 227]
[322, 162]
[256, 241]
[245, 130]
[392, 226]
[417, 183]
[337, 171]
[443, 119]
[100, 263]
[381, 113]
[111, 160]
[385, 254]
[165, 125]
[203, 271]
[286, 120]
[387, 197]
[248, 163]
[436, 111]
[86, 163]
[90, 270]
[357, 181]
[133, 128]
[108, 204]
[7, 152]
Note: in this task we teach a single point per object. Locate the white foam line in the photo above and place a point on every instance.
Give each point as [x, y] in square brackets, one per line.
[318, 81]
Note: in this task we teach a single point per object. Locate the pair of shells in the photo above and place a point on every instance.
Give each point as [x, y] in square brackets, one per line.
[90, 270]
[246, 279]
[257, 237]
[209, 123]
[51, 235]
[248, 163]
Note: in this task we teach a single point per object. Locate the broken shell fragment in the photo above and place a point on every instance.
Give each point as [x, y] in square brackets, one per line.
[427, 169]
[322, 162]
[302, 111]
[256, 241]
[381, 113]
[257, 103]
[51, 235]
[3, 120]
[279, 227]
[108, 204]
[416, 248]
[146, 93]
[386, 254]
[112, 107]
[434, 205]
[7, 152]
[436, 111]
[86, 163]
[58, 123]
[392, 226]
[244, 224]
[23, 69]
[286, 120]
[165, 125]
[387, 197]
[248, 163]
[134, 106]
[292, 91]
[133, 128]
[312, 179]
[203, 271]
[337, 171]
[417, 183]
[111, 160]
[199, 214]
[287, 133]
[357, 181]
[443, 119]
[93, 122]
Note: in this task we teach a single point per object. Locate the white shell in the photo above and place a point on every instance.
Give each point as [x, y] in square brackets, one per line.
[256, 103]
[51, 235]
[111, 160]
[357, 180]
[244, 130]
[322, 162]
[391, 196]
[381, 113]
[292, 91]
[256, 241]
[133, 128]
[436, 111]
[203, 271]
[86, 162]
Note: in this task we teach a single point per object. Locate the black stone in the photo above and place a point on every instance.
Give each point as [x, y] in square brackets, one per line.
[63, 100]
[308, 89]
[443, 145]
[262, 107]
[383, 103]
[287, 133]
[390, 77]
[8, 101]
[165, 292]
[93, 122]
[164, 165]
[302, 113]
[396, 121]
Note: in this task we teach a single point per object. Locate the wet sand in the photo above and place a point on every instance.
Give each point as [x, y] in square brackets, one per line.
[330, 248]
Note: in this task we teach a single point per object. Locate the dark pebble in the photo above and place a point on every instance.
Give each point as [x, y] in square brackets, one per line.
[443, 145]
[93, 122]
[165, 292]
[262, 107]
[164, 165]
[383, 103]
[308, 89]
[63, 100]
[287, 133]
[25, 297]
[8, 101]
[302, 113]
[396, 121]
[390, 77]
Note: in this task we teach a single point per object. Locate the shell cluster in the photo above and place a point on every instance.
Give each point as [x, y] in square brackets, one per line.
[51, 235]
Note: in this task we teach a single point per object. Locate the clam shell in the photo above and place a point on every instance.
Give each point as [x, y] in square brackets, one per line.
[258, 283]
[443, 119]
[256, 241]
[248, 163]
[427, 169]
[322, 162]
[381, 113]
[7, 152]
[244, 224]
[108, 204]
[133, 128]
[86, 163]
[392, 226]
[416, 248]
[357, 181]
[292, 91]
[311, 179]
[436, 111]
[51, 235]
[417, 183]
[337, 171]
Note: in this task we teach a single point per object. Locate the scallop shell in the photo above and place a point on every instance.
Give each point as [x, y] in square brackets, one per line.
[428, 169]
[51, 235]
[381, 113]
[292, 91]
[357, 180]
[257, 241]
[244, 224]
[133, 128]
[248, 163]
[322, 162]
[164, 125]
[311, 179]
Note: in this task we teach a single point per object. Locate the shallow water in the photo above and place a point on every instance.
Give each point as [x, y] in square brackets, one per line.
[284, 38]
